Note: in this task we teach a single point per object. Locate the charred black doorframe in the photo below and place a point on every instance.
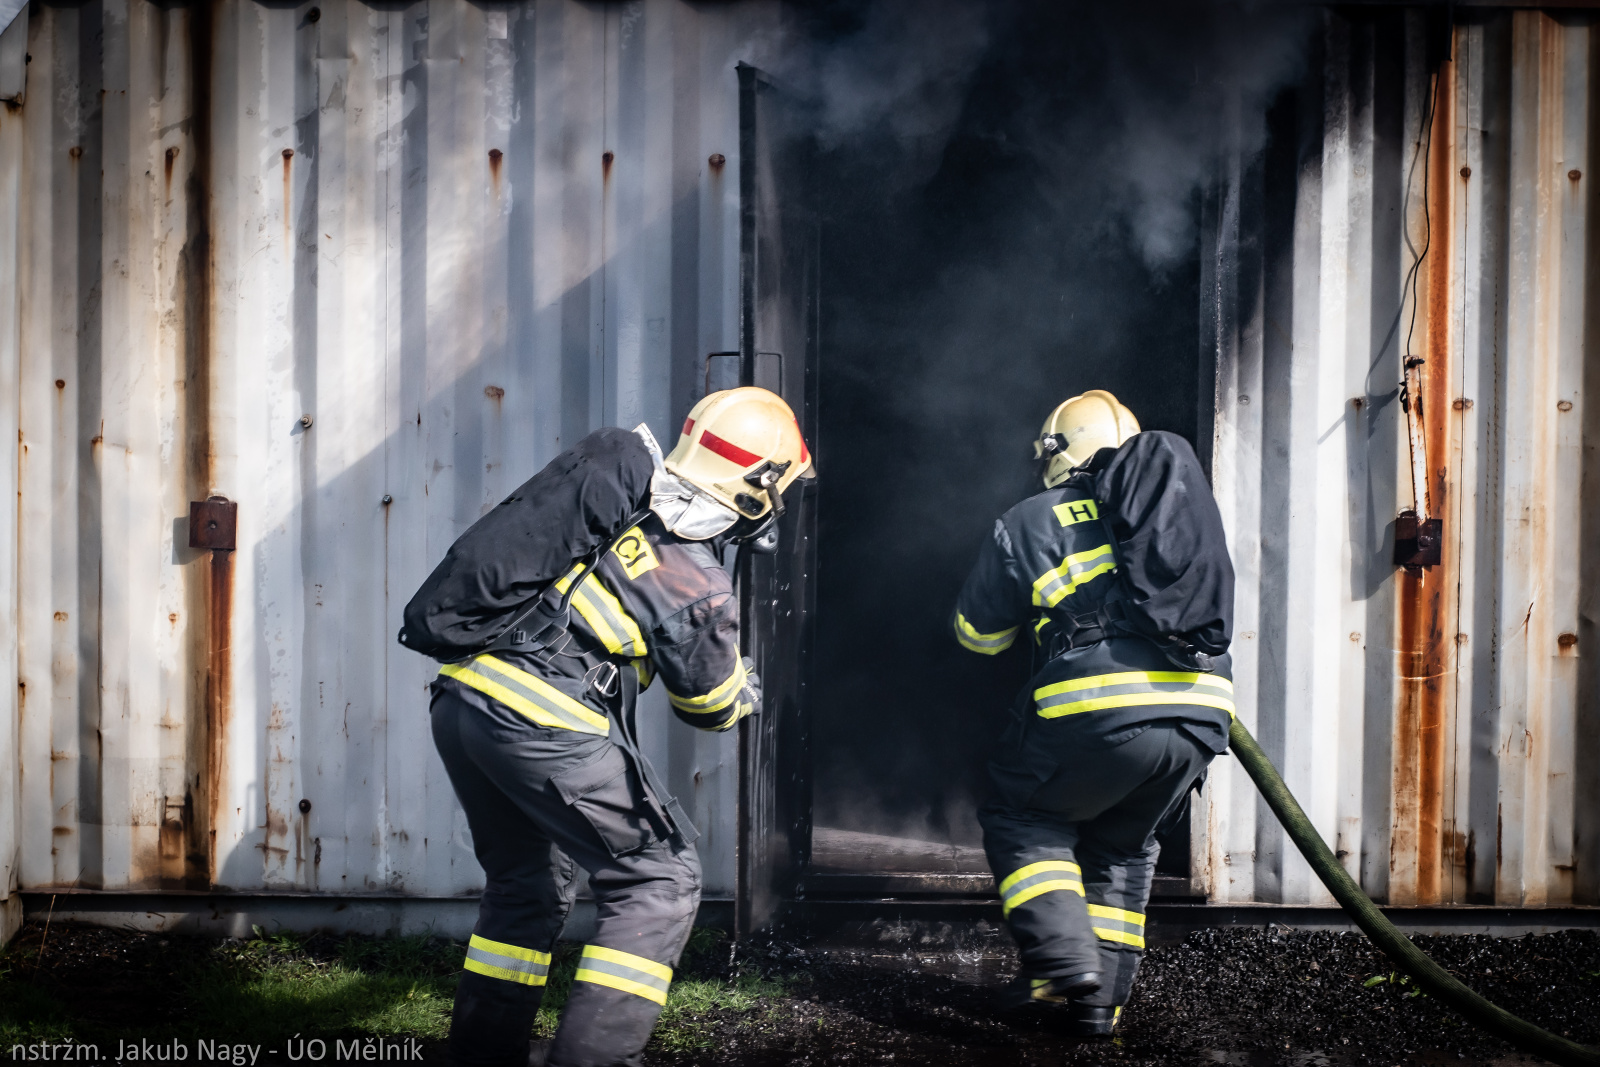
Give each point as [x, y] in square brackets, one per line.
[778, 307]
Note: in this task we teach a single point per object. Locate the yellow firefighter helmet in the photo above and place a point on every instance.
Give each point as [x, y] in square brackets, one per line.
[743, 447]
[1077, 429]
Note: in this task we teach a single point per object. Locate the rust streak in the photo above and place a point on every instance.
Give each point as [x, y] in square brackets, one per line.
[219, 683]
[172, 157]
[208, 594]
[605, 165]
[495, 156]
[288, 190]
[1425, 629]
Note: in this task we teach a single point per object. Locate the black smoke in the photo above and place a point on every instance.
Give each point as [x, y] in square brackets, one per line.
[1010, 201]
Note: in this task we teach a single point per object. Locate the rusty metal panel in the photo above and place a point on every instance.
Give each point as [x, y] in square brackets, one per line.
[13, 36]
[1432, 717]
[360, 270]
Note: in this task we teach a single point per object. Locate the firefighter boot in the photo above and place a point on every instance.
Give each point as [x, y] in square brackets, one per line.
[1024, 991]
[493, 1022]
[1085, 1020]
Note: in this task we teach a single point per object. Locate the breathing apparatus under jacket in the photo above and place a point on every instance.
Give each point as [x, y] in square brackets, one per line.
[652, 603]
[1122, 576]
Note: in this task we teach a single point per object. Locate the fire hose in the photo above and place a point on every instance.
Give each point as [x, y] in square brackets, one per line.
[1408, 957]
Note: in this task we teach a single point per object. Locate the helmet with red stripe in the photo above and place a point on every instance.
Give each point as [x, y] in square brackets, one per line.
[743, 447]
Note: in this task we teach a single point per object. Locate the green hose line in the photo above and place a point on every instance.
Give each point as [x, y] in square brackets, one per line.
[1429, 975]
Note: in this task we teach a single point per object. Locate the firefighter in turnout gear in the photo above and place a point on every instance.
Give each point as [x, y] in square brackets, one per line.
[1118, 577]
[599, 575]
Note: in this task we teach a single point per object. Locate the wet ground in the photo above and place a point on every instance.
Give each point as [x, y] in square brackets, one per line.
[1246, 998]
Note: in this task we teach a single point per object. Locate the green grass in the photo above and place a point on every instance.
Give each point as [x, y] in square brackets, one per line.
[260, 990]
[691, 999]
[275, 985]
[271, 987]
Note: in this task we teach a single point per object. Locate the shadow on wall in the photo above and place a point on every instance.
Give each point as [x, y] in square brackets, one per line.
[385, 262]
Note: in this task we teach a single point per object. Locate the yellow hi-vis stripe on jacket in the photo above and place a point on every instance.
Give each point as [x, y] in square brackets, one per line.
[987, 644]
[605, 615]
[1048, 876]
[1130, 689]
[624, 971]
[525, 966]
[1080, 568]
[526, 694]
[1114, 924]
[715, 701]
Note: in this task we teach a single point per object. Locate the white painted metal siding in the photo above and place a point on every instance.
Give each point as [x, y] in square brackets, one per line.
[12, 42]
[458, 237]
[1441, 729]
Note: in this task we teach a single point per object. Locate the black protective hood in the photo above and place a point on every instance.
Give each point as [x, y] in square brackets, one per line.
[1172, 556]
[532, 537]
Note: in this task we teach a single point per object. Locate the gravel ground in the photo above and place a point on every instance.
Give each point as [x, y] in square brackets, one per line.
[1249, 998]
[1244, 998]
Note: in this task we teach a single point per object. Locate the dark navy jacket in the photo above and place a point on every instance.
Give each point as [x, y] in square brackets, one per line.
[1133, 547]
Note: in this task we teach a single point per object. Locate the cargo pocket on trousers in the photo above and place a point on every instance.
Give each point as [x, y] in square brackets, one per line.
[608, 794]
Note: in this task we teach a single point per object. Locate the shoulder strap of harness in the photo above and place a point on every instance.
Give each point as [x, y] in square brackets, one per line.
[539, 624]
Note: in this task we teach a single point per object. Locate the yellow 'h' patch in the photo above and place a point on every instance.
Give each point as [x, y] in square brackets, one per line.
[633, 551]
[1075, 511]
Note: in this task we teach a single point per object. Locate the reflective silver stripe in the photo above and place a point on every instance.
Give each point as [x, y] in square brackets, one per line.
[1126, 689]
[715, 701]
[605, 615]
[1077, 570]
[1037, 879]
[511, 963]
[1115, 924]
[624, 971]
[987, 644]
[524, 693]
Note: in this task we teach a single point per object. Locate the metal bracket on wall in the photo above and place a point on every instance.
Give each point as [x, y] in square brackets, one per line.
[214, 524]
[1417, 544]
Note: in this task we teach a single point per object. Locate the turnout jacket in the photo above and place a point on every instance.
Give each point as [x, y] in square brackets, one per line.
[654, 604]
[1120, 578]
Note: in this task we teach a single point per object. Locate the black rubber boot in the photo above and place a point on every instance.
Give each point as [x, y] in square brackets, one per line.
[493, 1022]
[1086, 1021]
[1024, 991]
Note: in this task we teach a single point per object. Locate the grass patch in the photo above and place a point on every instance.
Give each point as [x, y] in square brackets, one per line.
[101, 985]
[701, 991]
[270, 987]
[98, 985]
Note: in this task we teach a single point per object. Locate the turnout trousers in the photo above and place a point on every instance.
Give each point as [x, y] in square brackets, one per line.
[541, 803]
[1071, 838]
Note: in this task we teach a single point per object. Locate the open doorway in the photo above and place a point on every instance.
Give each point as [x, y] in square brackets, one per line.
[963, 294]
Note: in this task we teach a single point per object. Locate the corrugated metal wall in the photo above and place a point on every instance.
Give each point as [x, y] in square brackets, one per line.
[13, 35]
[1442, 726]
[458, 236]
[455, 237]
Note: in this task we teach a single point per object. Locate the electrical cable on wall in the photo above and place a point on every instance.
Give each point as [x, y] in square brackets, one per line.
[1411, 364]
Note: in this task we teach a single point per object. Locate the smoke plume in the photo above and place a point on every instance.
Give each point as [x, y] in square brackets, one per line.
[1010, 197]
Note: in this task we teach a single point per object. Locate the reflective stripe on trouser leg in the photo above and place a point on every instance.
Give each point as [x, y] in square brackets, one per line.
[1118, 886]
[528, 890]
[646, 904]
[509, 963]
[1041, 890]
[624, 971]
[1036, 879]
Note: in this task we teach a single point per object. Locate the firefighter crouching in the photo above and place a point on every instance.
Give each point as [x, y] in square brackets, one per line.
[550, 614]
[1119, 576]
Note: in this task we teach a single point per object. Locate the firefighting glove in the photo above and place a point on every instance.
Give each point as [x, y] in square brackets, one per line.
[748, 702]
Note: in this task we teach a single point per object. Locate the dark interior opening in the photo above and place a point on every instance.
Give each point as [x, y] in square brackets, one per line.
[964, 292]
